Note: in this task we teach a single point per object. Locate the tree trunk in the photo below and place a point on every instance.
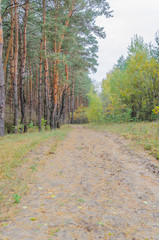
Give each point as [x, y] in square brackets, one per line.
[2, 83]
[40, 84]
[57, 49]
[55, 93]
[23, 63]
[73, 99]
[22, 97]
[31, 93]
[46, 68]
[10, 41]
[16, 68]
[36, 91]
[69, 106]
[52, 100]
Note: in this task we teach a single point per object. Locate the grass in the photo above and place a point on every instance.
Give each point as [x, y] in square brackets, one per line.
[144, 134]
[13, 149]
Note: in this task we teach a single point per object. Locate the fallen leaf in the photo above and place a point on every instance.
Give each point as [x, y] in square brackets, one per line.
[81, 200]
[53, 196]
[101, 223]
[32, 219]
[4, 224]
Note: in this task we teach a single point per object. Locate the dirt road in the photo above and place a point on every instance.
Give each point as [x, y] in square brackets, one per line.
[93, 187]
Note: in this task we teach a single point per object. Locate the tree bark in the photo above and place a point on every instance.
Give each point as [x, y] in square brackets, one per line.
[57, 49]
[23, 63]
[73, 99]
[16, 67]
[10, 41]
[40, 84]
[52, 99]
[31, 93]
[2, 83]
[46, 68]
[36, 90]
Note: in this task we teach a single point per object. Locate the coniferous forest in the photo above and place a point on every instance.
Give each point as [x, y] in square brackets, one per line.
[49, 49]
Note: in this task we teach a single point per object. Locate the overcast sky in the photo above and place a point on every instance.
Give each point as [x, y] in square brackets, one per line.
[130, 17]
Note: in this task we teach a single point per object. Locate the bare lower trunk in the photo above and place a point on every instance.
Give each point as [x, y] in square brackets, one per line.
[52, 101]
[73, 99]
[46, 70]
[23, 63]
[16, 69]
[2, 84]
[69, 106]
[36, 91]
[31, 94]
[39, 92]
[22, 96]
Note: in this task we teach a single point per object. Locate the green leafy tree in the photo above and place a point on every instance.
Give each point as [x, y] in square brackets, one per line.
[95, 109]
[131, 90]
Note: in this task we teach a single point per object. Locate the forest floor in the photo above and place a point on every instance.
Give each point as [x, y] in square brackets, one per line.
[94, 186]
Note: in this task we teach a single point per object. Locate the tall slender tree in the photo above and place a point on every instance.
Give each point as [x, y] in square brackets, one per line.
[16, 64]
[23, 65]
[2, 84]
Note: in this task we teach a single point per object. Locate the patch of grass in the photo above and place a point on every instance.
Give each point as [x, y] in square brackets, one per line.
[79, 148]
[144, 134]
[13, 149]
[54, 231]
[33, 167]
[16, 198]
[81, 200]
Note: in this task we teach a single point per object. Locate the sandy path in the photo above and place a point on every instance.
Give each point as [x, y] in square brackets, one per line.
[92, 188]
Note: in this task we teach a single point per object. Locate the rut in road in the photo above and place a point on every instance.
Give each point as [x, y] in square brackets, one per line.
[92, 188]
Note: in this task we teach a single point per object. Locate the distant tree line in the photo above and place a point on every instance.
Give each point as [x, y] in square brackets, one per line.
[130, 91]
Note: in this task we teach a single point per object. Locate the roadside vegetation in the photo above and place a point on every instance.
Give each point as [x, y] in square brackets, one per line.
[143, 134]
[129, 100]
[130, 91]
[16, 167]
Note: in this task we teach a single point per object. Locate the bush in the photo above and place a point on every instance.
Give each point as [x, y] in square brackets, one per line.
[80, 115]
[95, 109]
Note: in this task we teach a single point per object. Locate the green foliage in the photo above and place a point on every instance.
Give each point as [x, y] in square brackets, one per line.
[31, 125]
[156, 110]
[95, 108]
[19, 128]
[70, 31]
[131, 90]
[16, 198]
[80, 115]
[43, 122]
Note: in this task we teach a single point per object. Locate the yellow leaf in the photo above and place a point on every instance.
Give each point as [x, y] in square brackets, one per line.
[53, 196]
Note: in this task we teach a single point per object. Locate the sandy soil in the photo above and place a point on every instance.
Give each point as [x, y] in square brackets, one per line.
[93, 187]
